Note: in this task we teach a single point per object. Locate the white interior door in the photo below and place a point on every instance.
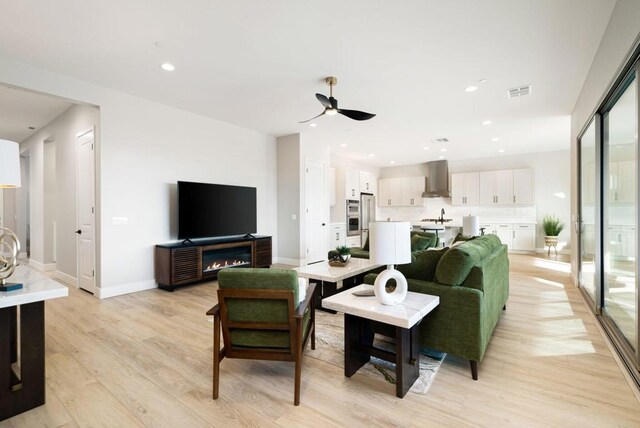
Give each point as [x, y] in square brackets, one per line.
[316, 206]
[86, 212]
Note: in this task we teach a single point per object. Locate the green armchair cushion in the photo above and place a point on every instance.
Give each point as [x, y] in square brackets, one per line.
[456, 263]
[260, 310]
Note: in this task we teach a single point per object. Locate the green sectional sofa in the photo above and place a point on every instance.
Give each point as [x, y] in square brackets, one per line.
[472, 281]
[419, 241]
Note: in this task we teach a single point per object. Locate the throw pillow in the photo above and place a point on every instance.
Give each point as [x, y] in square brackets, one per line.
[461, 237]
[423, 264]
[419, 243]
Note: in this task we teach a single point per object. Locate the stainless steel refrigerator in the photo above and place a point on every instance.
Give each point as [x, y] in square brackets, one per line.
[367, 214]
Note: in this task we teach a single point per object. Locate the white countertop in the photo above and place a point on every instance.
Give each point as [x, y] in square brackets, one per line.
[324, 272]
[37, 287]
[404, 315]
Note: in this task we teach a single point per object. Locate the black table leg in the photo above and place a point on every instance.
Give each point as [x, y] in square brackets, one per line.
[407, 359]
[18, 395]
[358, 337]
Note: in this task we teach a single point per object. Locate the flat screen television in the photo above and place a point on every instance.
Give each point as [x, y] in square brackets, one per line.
[210, 210]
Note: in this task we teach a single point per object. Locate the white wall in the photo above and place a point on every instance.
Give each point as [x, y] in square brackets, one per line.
[339, 211]
[618, 41]
[52, 187]
[292, 153]
[552, 178]
[143, 150]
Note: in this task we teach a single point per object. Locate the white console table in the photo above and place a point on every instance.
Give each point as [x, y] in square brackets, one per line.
[22, 341]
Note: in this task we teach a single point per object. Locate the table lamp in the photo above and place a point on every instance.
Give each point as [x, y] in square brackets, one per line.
[390, 244]
[9, 243]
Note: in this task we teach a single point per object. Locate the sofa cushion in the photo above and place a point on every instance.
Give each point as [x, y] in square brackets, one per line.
[419, 243]
[423, 264]
[454, 266]
[460, 237]
[432, 237]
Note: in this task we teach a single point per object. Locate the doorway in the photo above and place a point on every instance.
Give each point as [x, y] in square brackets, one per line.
[317, 212]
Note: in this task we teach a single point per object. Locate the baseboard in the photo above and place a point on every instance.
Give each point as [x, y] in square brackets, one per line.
[286, 261]
[49, 267]
[36, 265]
[131, 287]
[66, 278]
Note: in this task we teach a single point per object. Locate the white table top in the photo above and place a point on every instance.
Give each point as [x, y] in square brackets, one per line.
[37, 287]
[324, 272]
[404, 315]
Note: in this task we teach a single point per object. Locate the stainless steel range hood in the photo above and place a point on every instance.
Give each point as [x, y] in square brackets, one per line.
[437, 181]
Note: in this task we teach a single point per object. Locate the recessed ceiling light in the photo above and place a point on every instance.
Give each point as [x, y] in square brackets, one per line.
[313, 125]
[443, 150]
[371, 155]
[495, 139]
[343, 145]
[486, 122]
[471, 88]
[482, 80]
[440, 157]
[426, 148]
[501, 151]
[392, 162]
[167, 66]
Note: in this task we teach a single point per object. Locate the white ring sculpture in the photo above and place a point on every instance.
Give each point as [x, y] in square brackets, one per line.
[398, 295]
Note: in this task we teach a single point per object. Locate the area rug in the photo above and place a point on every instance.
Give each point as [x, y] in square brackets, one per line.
[330, 348]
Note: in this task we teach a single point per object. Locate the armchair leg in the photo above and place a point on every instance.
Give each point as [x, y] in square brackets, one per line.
[216, 356]
[504, 308]
[474, 369]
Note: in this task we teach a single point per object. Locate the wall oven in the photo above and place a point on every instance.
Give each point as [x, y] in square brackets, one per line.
[353, 217]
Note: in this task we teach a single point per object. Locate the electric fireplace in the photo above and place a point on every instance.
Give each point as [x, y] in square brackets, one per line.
[221, 258]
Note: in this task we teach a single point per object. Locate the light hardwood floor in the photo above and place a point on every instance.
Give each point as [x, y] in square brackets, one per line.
[144, 359]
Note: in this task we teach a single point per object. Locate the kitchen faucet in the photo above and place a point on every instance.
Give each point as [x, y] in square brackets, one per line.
[441, 216]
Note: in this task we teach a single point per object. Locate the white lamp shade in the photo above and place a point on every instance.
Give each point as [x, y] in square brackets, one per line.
[9, 164]
[390, 242]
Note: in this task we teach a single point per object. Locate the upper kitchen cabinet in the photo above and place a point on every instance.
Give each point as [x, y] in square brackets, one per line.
[412, 189]
[352, 183]
[367, 182]
[507, 187]
[496, 187]
[523, 187]
[621, 181]
[465, 188]
[390, 192]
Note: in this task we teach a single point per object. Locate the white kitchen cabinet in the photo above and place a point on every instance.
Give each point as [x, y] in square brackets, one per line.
[504, 187]
[332, 186]
[411, 191]
[352, 184]
[353, 241]
[367, 182]
[338, 235]
[505, 233]
[523, 193]
[487, 188]
[523, 237]
[626, 181]
[390, 192]
[465, 188]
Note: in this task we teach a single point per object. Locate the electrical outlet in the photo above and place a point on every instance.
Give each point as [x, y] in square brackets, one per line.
[294, 217]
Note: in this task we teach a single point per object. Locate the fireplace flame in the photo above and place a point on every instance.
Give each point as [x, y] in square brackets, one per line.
[217, 265]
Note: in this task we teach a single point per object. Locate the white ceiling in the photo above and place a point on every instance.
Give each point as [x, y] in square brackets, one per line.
[259, 63]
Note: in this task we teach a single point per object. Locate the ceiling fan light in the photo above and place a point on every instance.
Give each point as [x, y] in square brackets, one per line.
[331, 112]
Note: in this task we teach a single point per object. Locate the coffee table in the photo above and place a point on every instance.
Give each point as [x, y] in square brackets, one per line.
[331, 279]
[364, 315]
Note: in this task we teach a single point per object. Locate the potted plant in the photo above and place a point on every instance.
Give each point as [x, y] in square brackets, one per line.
[344, 253]
[552, 226]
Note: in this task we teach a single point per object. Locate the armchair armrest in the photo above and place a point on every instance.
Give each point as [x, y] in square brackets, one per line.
[302, 307]
[215, 311]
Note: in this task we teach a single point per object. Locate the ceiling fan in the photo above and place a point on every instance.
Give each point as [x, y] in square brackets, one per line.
[331, 105]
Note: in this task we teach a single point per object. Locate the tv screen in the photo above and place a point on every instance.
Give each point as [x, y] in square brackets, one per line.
[209, 210]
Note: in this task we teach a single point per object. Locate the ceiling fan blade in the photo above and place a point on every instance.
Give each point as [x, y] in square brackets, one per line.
[309, 120]
[356, 115]
[323, 100]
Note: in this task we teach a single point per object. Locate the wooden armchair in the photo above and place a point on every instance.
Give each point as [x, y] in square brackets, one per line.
[259, 318]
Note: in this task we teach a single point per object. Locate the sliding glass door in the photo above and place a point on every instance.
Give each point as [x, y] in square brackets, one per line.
[588, 215]
[619, 191]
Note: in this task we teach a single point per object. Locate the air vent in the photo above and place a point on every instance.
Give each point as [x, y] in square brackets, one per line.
[520, 91]
[441, 140]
